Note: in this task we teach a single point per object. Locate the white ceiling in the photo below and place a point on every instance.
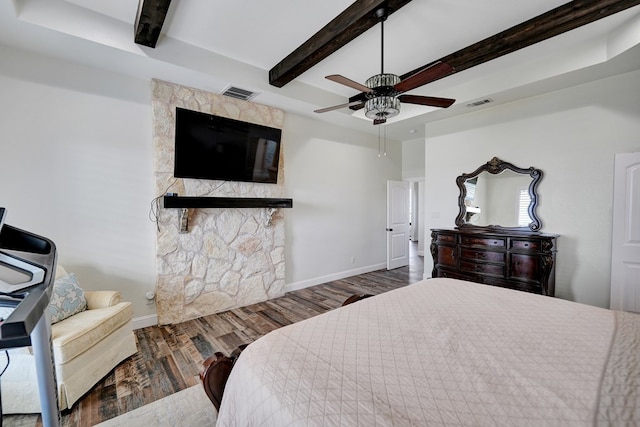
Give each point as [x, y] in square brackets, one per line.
[211, 44]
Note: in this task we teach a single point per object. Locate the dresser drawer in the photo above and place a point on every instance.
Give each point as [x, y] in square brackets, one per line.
[525, 267]
[471, 254]
[451, 274]
[531, 245]
[474, 267]
[511, 284]
[446, 238]
[446, 256]
[479, 241]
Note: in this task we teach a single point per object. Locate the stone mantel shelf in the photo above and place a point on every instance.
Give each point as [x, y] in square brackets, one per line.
[225, 202]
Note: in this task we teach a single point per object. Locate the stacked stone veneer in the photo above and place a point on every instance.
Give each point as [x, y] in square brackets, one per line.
[230, 257]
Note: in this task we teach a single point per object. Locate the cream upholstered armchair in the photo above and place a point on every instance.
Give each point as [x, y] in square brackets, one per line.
[87, 345]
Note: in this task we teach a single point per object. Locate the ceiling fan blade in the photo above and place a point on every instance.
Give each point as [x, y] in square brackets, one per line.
[348, 82]
[337, 107]
[423, 77]
[427, 100]
[379, 121]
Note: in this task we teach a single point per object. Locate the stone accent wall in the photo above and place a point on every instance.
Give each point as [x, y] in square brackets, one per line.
[229, 257]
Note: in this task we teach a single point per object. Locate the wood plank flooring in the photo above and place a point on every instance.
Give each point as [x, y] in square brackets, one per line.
[170, 357]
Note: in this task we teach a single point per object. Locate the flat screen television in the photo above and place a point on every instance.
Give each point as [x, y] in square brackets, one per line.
[213, 147]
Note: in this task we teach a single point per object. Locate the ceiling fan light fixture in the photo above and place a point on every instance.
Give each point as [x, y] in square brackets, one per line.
[382, 81]
[382, 107]
[385, 105]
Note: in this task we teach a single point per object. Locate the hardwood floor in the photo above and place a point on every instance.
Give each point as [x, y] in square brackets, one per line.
[170, 357]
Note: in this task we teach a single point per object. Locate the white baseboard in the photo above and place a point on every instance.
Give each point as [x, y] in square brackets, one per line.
[330, 277]
[144, 321]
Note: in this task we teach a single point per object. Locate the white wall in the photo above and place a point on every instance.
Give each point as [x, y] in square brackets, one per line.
[76, 167]
[413, 158]
[338, 186]
[572, 136]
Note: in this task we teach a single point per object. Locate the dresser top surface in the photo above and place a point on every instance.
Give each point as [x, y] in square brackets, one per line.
[495, 232]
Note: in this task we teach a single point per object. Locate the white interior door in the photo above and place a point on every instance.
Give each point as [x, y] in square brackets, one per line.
[625, 236]
[397, 224]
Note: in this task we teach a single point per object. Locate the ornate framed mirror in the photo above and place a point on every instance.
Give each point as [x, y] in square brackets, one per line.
[499, 195]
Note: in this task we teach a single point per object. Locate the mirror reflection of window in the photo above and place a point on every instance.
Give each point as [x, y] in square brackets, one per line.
[523, 208]
[470, 185]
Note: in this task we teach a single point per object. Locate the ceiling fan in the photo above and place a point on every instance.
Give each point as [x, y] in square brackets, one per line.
[384, 92]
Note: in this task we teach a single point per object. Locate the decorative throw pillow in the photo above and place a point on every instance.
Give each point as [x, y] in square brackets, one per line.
[67, 298]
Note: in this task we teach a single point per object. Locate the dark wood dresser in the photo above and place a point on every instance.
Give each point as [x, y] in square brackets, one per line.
[519, 260]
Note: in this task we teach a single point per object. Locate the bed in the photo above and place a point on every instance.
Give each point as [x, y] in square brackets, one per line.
[442, 352]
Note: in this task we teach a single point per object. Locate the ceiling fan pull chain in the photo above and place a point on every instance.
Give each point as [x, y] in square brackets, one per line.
[382, 141]
[384, 138]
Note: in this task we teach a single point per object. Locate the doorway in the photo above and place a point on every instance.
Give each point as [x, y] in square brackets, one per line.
[416, 238]
[404, 232]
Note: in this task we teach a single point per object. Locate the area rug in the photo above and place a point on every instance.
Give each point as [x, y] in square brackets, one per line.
[186, 408]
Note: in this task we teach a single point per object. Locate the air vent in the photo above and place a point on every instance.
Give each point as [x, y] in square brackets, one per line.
[479, 103]
[239, 93]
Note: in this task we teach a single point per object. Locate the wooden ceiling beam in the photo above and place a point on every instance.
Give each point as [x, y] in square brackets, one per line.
[352, 22]
[149, 20]
[550, 24]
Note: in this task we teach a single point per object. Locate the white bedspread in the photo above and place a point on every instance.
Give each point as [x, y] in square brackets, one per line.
[441, 352]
